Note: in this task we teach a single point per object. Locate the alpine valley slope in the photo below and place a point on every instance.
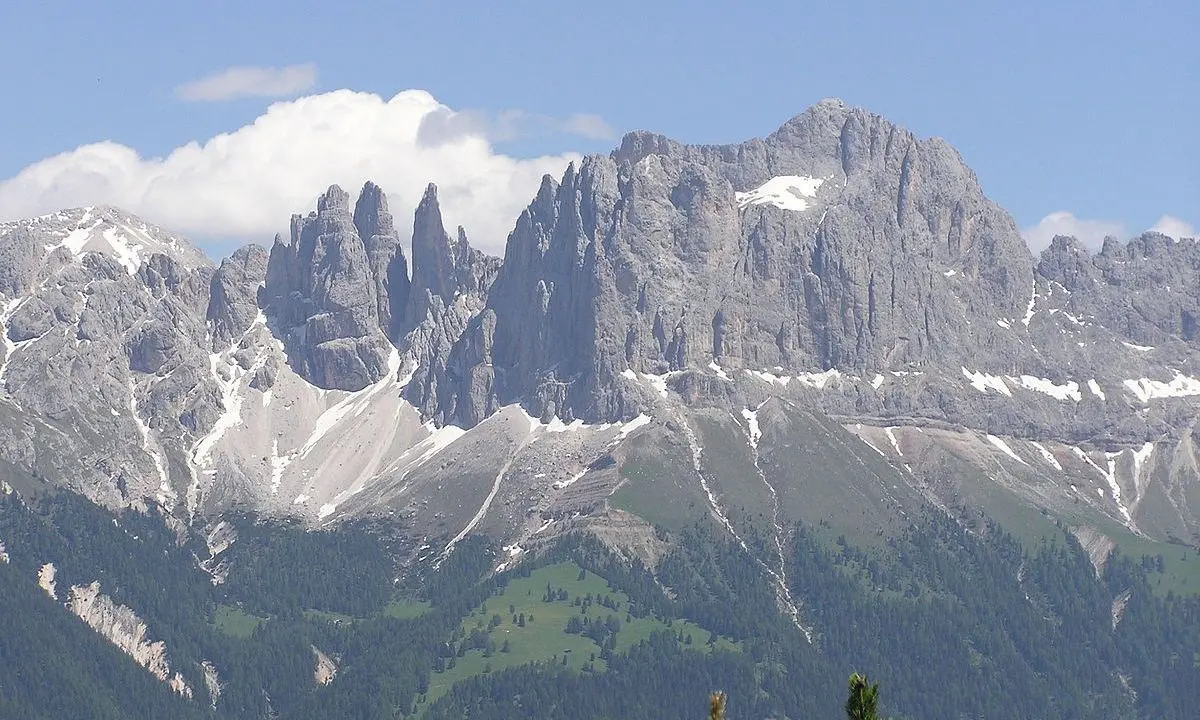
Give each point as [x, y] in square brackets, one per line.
[832, 324]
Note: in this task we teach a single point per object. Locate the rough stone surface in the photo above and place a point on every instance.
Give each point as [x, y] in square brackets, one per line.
[234, 293]
[449, 288]
[323, 296]
[645, 260]
[840, 265]
[389, 267]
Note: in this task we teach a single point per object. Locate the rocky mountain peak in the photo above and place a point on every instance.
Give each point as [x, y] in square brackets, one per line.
[637, 144]
[335, 200]
[389, 266]
[323, 291]
[433, 255]
[233, 303]
[107, 231]
[839, 242]
[371, 215]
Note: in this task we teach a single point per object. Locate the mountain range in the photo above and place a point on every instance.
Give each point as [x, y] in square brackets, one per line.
[832, 325]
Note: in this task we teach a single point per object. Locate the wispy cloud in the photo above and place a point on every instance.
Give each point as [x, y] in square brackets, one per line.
[589, 126]
[1090, 232]
[246, 183]
[250, 81]
[1174, 227]
[449, 125]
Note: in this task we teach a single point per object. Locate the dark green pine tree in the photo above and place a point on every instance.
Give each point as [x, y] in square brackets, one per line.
[863, 699]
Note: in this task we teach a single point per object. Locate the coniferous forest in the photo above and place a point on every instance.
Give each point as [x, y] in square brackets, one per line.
[951, 622]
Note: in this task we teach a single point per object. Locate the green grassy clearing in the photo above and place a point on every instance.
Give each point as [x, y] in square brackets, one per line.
[405, 609]
[660, 485]
[543, 637]
[1181, 564]
[331, 617]
[234, 622]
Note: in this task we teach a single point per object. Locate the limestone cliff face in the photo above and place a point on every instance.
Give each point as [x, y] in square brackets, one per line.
[450, 286]
[841, 262]
[840, 241]
[323, 294]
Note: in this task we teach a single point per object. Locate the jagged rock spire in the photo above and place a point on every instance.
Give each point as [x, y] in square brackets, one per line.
[323, 291]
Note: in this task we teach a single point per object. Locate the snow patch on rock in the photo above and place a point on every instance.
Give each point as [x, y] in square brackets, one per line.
[787, 192]
[1067, 391]
[1047, 455]
[1145, 389]
[1004, 448]
[755, 432]
[983, 382]
[166, 494]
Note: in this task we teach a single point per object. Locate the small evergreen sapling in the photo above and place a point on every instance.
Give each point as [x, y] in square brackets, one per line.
[863, 699]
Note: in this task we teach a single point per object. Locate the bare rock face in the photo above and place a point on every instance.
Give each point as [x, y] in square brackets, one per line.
[234, 293]
[840, 241]
[389, 268]
[449, 288]
[322, 294]
[325, 670]
[103, 322]
[841, 264]
[1146, 290]
[121, 626]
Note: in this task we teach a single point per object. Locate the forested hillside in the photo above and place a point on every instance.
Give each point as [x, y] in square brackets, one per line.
[951, 622]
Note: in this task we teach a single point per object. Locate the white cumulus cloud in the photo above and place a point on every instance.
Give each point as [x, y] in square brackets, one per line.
[244, 185]
[1090, 232]
[250, 81]
[1174, 227]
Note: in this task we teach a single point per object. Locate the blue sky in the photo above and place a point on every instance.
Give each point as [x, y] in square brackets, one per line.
[1088, 108]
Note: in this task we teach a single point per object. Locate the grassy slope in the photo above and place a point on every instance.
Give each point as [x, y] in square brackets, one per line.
[235, 622]
[543, 638]
[659, 483]
[832, 481]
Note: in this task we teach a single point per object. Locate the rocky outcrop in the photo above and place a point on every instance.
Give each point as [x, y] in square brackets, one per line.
[1146, 290]
[233, 303]
[841, 263]
[326, 669]
[105, 354]
[122, 627]
[840, 241]
[212, 682]
[45, 580]
[322, 295]
[389, 268]
[449, 288]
